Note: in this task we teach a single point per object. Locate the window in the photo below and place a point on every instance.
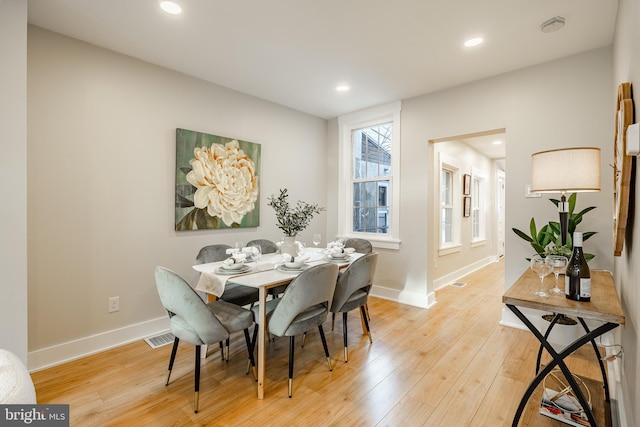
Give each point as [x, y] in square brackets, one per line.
[446, 204]
[478, 222]
[475, 208]
[369, 175]
[450, 204]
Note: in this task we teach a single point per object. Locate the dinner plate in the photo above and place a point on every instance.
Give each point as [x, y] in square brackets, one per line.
[286, 269]
[227, 272]
[344, 258]
[233, 267]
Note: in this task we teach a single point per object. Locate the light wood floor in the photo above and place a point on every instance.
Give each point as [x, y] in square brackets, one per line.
[451, 365]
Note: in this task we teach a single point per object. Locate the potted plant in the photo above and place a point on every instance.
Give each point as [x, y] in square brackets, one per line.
[292, 220]
[548, 240]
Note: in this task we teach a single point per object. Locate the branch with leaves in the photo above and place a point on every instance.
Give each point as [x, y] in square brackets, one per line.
[292, 220]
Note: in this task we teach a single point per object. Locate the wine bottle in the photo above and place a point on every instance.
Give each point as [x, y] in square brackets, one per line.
[577, 280]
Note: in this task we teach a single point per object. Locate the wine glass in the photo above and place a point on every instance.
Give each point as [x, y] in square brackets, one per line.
[558, 265]
[541, 267]
[238, 246]
[317, 238]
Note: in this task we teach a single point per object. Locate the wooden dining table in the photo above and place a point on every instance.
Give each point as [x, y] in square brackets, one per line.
[264, 275]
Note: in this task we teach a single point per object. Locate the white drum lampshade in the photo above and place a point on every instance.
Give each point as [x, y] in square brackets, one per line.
[566, 170]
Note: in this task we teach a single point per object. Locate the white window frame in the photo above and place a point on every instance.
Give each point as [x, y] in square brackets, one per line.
[479, 176]
[388, 113]
[446, 162]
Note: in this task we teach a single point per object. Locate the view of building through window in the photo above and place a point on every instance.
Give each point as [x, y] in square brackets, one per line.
[371, 178]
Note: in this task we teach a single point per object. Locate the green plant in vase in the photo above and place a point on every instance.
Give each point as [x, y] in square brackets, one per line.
[548, 240]
[292, 220]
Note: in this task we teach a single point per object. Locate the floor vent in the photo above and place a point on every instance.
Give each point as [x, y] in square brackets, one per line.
[459, 284]
[160, 340]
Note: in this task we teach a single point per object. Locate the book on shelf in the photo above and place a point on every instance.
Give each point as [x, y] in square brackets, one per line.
[563, 407]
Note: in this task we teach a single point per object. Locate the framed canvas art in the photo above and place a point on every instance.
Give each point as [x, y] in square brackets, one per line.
[217, 182]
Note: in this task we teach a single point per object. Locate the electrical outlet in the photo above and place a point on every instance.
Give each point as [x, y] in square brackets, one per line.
[114, 304]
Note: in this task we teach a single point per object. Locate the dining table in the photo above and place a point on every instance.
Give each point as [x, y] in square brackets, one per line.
[263, 274]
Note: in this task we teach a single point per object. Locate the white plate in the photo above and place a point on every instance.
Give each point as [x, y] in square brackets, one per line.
[285, 269]
[227, 272]
[341, 258]
[233, 267]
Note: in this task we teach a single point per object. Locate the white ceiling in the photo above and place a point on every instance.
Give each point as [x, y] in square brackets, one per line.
[295, 52]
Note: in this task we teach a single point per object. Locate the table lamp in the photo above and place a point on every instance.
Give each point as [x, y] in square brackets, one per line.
[563, 171]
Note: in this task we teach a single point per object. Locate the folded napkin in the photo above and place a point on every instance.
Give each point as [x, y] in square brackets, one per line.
[290, 258]
[336, 250]
[235, 258]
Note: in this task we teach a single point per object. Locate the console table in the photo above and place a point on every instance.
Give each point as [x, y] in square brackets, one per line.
[604, 307]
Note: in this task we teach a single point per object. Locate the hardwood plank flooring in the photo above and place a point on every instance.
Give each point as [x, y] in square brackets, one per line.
[451, 365]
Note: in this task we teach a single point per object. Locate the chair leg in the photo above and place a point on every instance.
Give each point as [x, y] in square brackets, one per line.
[174, 350]
[226, 353]
[252, 361]
[222, 351]
[292, 340]
[333, 320]
[197, 379]
[344, 335]
[324, 344]
[366, 310]
[365, 317]
[304, 338]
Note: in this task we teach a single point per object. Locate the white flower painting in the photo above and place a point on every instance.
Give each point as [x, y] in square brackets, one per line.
[216, 182]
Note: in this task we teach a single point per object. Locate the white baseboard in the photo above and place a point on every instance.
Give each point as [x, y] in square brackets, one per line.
[404, 297]
[65, 352]
[453, 277]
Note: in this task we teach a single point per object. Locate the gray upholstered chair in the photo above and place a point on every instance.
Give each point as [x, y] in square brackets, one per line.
[267, 246]
[352, 291]
[233, 293]
[304, 305]
[362, 246]
[198, 323]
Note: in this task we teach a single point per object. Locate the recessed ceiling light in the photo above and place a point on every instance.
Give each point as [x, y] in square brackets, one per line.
[475, 41]
[342, 88]
[171, 7]
[497, 142]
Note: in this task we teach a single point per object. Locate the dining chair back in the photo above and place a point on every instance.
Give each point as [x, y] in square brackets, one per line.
[352, 291]
[267, 246]
[235, 294]
[362, 246]
[212, 253]
[198, 323]
[304, 305]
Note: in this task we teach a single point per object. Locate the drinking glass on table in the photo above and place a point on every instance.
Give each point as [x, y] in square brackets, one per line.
[317, 238]
[237, 246]
[541, 267]
[558, 266]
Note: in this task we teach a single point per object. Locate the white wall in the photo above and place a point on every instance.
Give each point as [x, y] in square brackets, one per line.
[13, 177]
[626, 67]
[101, 155]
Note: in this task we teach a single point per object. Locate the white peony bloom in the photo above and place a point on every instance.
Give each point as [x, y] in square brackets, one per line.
[225, 179]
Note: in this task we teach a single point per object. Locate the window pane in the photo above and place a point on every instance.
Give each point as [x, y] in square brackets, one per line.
[372, 151]
[447, 224]
[446, 189]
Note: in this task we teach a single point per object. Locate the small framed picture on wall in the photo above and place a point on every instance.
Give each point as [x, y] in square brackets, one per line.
[467, 206]
[466, 184]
